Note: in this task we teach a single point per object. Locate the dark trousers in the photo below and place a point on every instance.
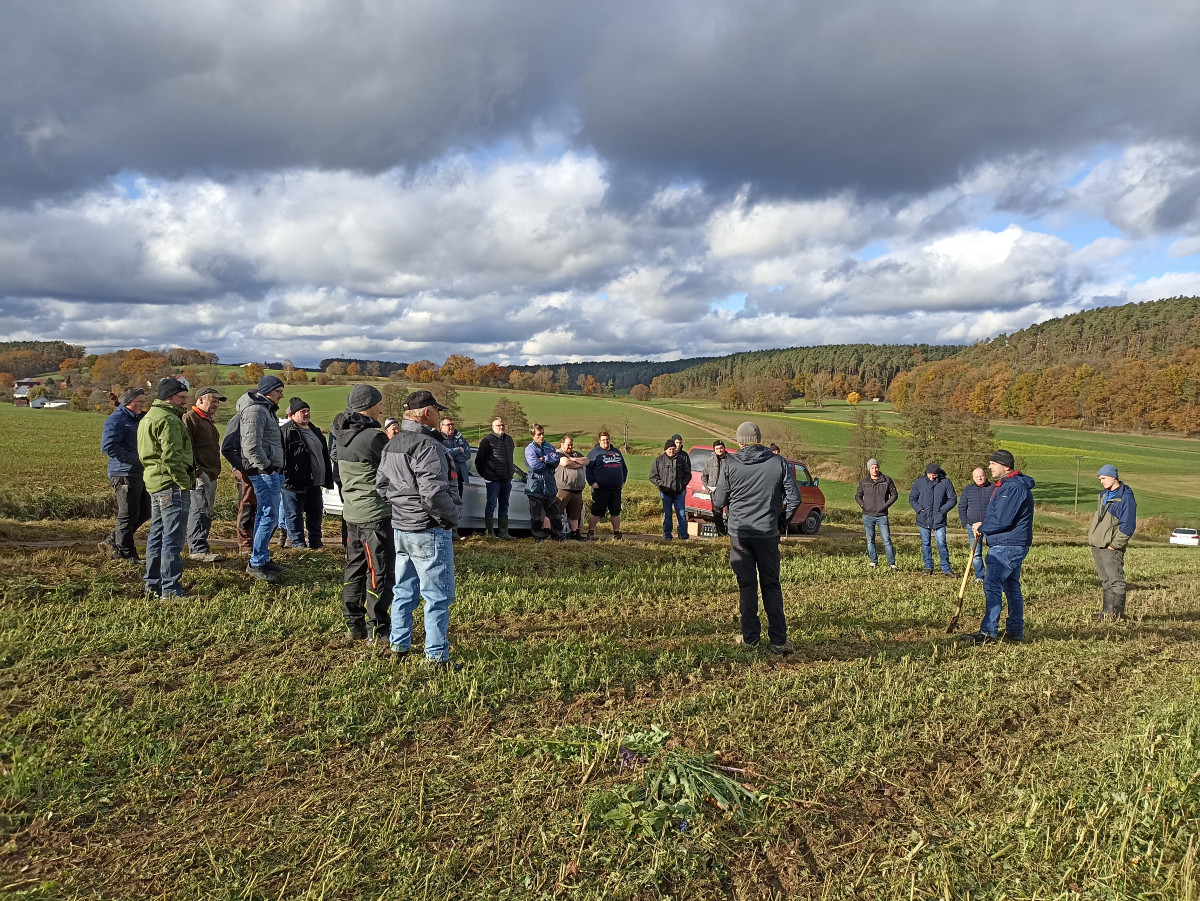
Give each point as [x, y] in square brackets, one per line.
[301, 508]
[541, 508]
[247, 510]
[755, 561]
[133, 511]
[370, 575]
[719, 520]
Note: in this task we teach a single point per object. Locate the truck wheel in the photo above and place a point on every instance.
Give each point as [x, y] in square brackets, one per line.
[811, 525]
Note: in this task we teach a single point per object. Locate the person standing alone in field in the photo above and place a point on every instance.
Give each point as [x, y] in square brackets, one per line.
[932, 497]
[494, 463]
[875, 496]
[125, 474]
[1008, 527]
[165, 449]
[370, 573]
[1111, 528]
[755, 484]
[201, 422]
[971, 507]
[606, 472]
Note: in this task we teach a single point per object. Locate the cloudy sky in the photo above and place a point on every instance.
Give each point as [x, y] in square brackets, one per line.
[541, 180]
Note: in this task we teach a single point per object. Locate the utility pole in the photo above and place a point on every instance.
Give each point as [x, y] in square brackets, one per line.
[1077, 481]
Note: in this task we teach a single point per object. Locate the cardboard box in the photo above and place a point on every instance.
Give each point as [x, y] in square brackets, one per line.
[699, 529]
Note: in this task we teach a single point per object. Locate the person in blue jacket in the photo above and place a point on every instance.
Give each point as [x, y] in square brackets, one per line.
[1008, 528]
[971, 505]
[542, 460]
[1111, 528]
[125, 474]
[932, 497]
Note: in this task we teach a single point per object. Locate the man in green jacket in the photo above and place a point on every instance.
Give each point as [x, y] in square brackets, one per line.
[165, 449]
[1111, 528]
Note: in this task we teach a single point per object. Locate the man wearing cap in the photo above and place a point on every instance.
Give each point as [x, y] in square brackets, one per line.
[932, 497]
[201, 423]
[495, 464]
[165, 449]
[391, 427]
[306, 470]
[971, 507]
[414, 476]
[370, 548]
[755, 484]
[125, 474]
[875, 496]
[1008, 528]
[1111, 528]
[670, 474]
[262, 459]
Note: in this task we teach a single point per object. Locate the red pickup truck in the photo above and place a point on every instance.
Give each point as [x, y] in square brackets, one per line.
[812, 500]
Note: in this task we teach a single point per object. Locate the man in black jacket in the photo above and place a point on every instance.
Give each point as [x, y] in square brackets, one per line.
[876, 494]
[670, 474]
[494, 462]
[307, 469]
[754, 485]
[971, 507]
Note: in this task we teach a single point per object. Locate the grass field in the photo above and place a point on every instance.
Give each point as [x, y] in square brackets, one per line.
[604, 737]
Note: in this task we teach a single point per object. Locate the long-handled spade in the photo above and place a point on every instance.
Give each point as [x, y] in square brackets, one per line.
[962, 589]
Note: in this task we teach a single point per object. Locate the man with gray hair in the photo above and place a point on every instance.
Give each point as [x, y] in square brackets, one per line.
[414, 476]
[754, 484]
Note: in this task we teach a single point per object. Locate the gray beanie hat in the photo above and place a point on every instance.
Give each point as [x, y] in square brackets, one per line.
[1108, 470]
[748, 433]
[363, 397]
[872, 462]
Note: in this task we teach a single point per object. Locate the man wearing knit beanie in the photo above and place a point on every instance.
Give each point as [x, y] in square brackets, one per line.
[1008, 527]
[1111, 528]
[262, 460]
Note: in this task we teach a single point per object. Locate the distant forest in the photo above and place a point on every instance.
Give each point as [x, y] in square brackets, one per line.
[1135, 366]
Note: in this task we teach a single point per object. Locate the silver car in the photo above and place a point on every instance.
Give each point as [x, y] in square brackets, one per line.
[474, 497]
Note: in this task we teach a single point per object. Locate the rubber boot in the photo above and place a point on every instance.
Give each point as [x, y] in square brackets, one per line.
[1118, 604]
[1107, 609]
[489, 529]
[504, 536]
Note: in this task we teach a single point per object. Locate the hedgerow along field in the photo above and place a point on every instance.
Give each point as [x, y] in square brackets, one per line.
[604, 736]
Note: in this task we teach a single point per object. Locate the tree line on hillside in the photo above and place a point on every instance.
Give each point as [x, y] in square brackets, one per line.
[816, 373]
[1131, 367]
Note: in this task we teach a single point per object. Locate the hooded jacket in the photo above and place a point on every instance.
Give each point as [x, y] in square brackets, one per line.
[262, 445]
[1009, 517]
[120, 442]
[606, 468]
[1115, 520]
[542, 460]
[876, 497]
[754, 485]
[165, 448]
[932, 500]
[414, 476]
[359, 446]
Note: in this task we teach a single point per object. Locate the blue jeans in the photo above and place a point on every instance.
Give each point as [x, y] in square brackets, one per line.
[424, 569]
[267, 489]
[927, 551]
[674, 504]
[164, 544]
[977, 560]
[885, 532]
[497, 492]
[1004, 576]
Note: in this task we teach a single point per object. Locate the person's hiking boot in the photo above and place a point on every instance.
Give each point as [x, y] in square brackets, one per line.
[893, 567]
[591, 535]
[400, 655]
[261, 573]
[503, 533]
[783, 649]
[740, 639]
[977, 638]
[356, 630]
[108, 548]
[489, 527]
[1009, 638]
[208, 558]
[576, 536]
[180, 596]
[272, 567]
[929, 572]
[872, 565]
[616, 536]
[949, 574]
[379, 633]
[557, 536]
